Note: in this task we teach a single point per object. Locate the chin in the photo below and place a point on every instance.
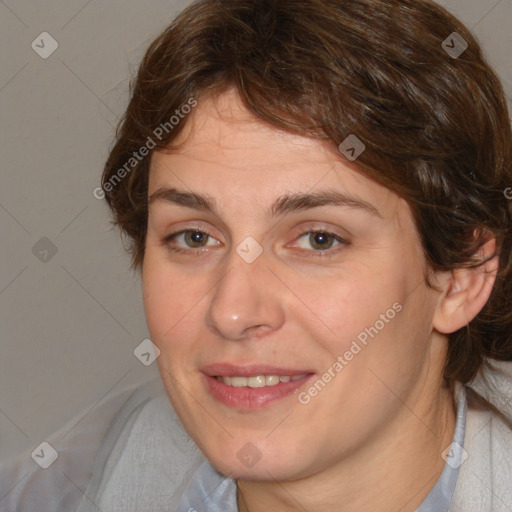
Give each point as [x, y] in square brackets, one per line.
[254, 461]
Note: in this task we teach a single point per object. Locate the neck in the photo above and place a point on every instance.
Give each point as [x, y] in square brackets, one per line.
[394, 471]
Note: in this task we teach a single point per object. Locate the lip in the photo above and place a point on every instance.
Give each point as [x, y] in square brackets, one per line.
[250, 398]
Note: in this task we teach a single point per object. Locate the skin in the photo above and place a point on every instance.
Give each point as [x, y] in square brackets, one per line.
[372, 438]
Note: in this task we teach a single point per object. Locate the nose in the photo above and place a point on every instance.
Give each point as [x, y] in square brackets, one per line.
[247, 302]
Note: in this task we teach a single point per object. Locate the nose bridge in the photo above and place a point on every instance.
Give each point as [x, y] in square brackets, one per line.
[245, 301]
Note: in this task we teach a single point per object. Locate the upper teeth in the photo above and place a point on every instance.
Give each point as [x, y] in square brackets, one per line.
[258, 381]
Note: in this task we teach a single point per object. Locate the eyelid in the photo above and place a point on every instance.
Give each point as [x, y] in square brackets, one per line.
[329, 252]
[172, 236]
[325, 253]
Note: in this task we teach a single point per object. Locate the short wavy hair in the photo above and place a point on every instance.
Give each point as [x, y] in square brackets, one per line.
[435, 123]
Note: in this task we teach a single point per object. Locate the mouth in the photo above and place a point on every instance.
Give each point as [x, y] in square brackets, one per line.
[252, 387]
[258, 381]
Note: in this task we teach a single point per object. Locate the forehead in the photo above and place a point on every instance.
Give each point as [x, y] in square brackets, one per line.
[221, 125]
[225, 152]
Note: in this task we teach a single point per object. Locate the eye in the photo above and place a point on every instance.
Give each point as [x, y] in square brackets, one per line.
[193, 239]
[321, 241]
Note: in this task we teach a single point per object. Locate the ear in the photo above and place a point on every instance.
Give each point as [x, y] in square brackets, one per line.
[466, 291]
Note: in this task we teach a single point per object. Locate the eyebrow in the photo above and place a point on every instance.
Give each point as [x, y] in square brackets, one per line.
[284, 204]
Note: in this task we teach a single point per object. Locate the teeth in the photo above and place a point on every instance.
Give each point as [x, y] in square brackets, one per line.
[271, 380]
[258, 381]
[238, 382]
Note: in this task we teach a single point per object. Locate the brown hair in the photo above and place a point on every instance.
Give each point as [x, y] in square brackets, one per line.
[435, 126]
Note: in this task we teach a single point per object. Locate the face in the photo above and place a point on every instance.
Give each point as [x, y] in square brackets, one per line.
[286, 302]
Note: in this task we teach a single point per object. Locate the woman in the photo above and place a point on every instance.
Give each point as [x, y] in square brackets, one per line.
[315, 192]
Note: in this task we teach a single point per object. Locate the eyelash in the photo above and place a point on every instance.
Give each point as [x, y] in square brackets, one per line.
[324, 253]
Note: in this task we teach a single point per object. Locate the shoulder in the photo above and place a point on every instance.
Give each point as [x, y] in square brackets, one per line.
[27, 486]
[146, 457]
[485, 476]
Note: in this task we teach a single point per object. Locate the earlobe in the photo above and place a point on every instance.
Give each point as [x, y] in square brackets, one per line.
[466, 292]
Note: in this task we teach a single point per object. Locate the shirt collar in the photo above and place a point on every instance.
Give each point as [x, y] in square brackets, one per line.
[440, 497]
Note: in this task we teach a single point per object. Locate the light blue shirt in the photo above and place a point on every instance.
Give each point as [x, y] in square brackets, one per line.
[210, 491]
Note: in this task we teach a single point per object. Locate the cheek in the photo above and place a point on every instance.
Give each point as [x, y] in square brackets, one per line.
[168, 298]
[349, 305]
[378, 322]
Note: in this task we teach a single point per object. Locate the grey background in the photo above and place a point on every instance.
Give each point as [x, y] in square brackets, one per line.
[69, 325]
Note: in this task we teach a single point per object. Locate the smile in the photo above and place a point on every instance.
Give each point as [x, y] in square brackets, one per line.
[258, 381]
[254, 390]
